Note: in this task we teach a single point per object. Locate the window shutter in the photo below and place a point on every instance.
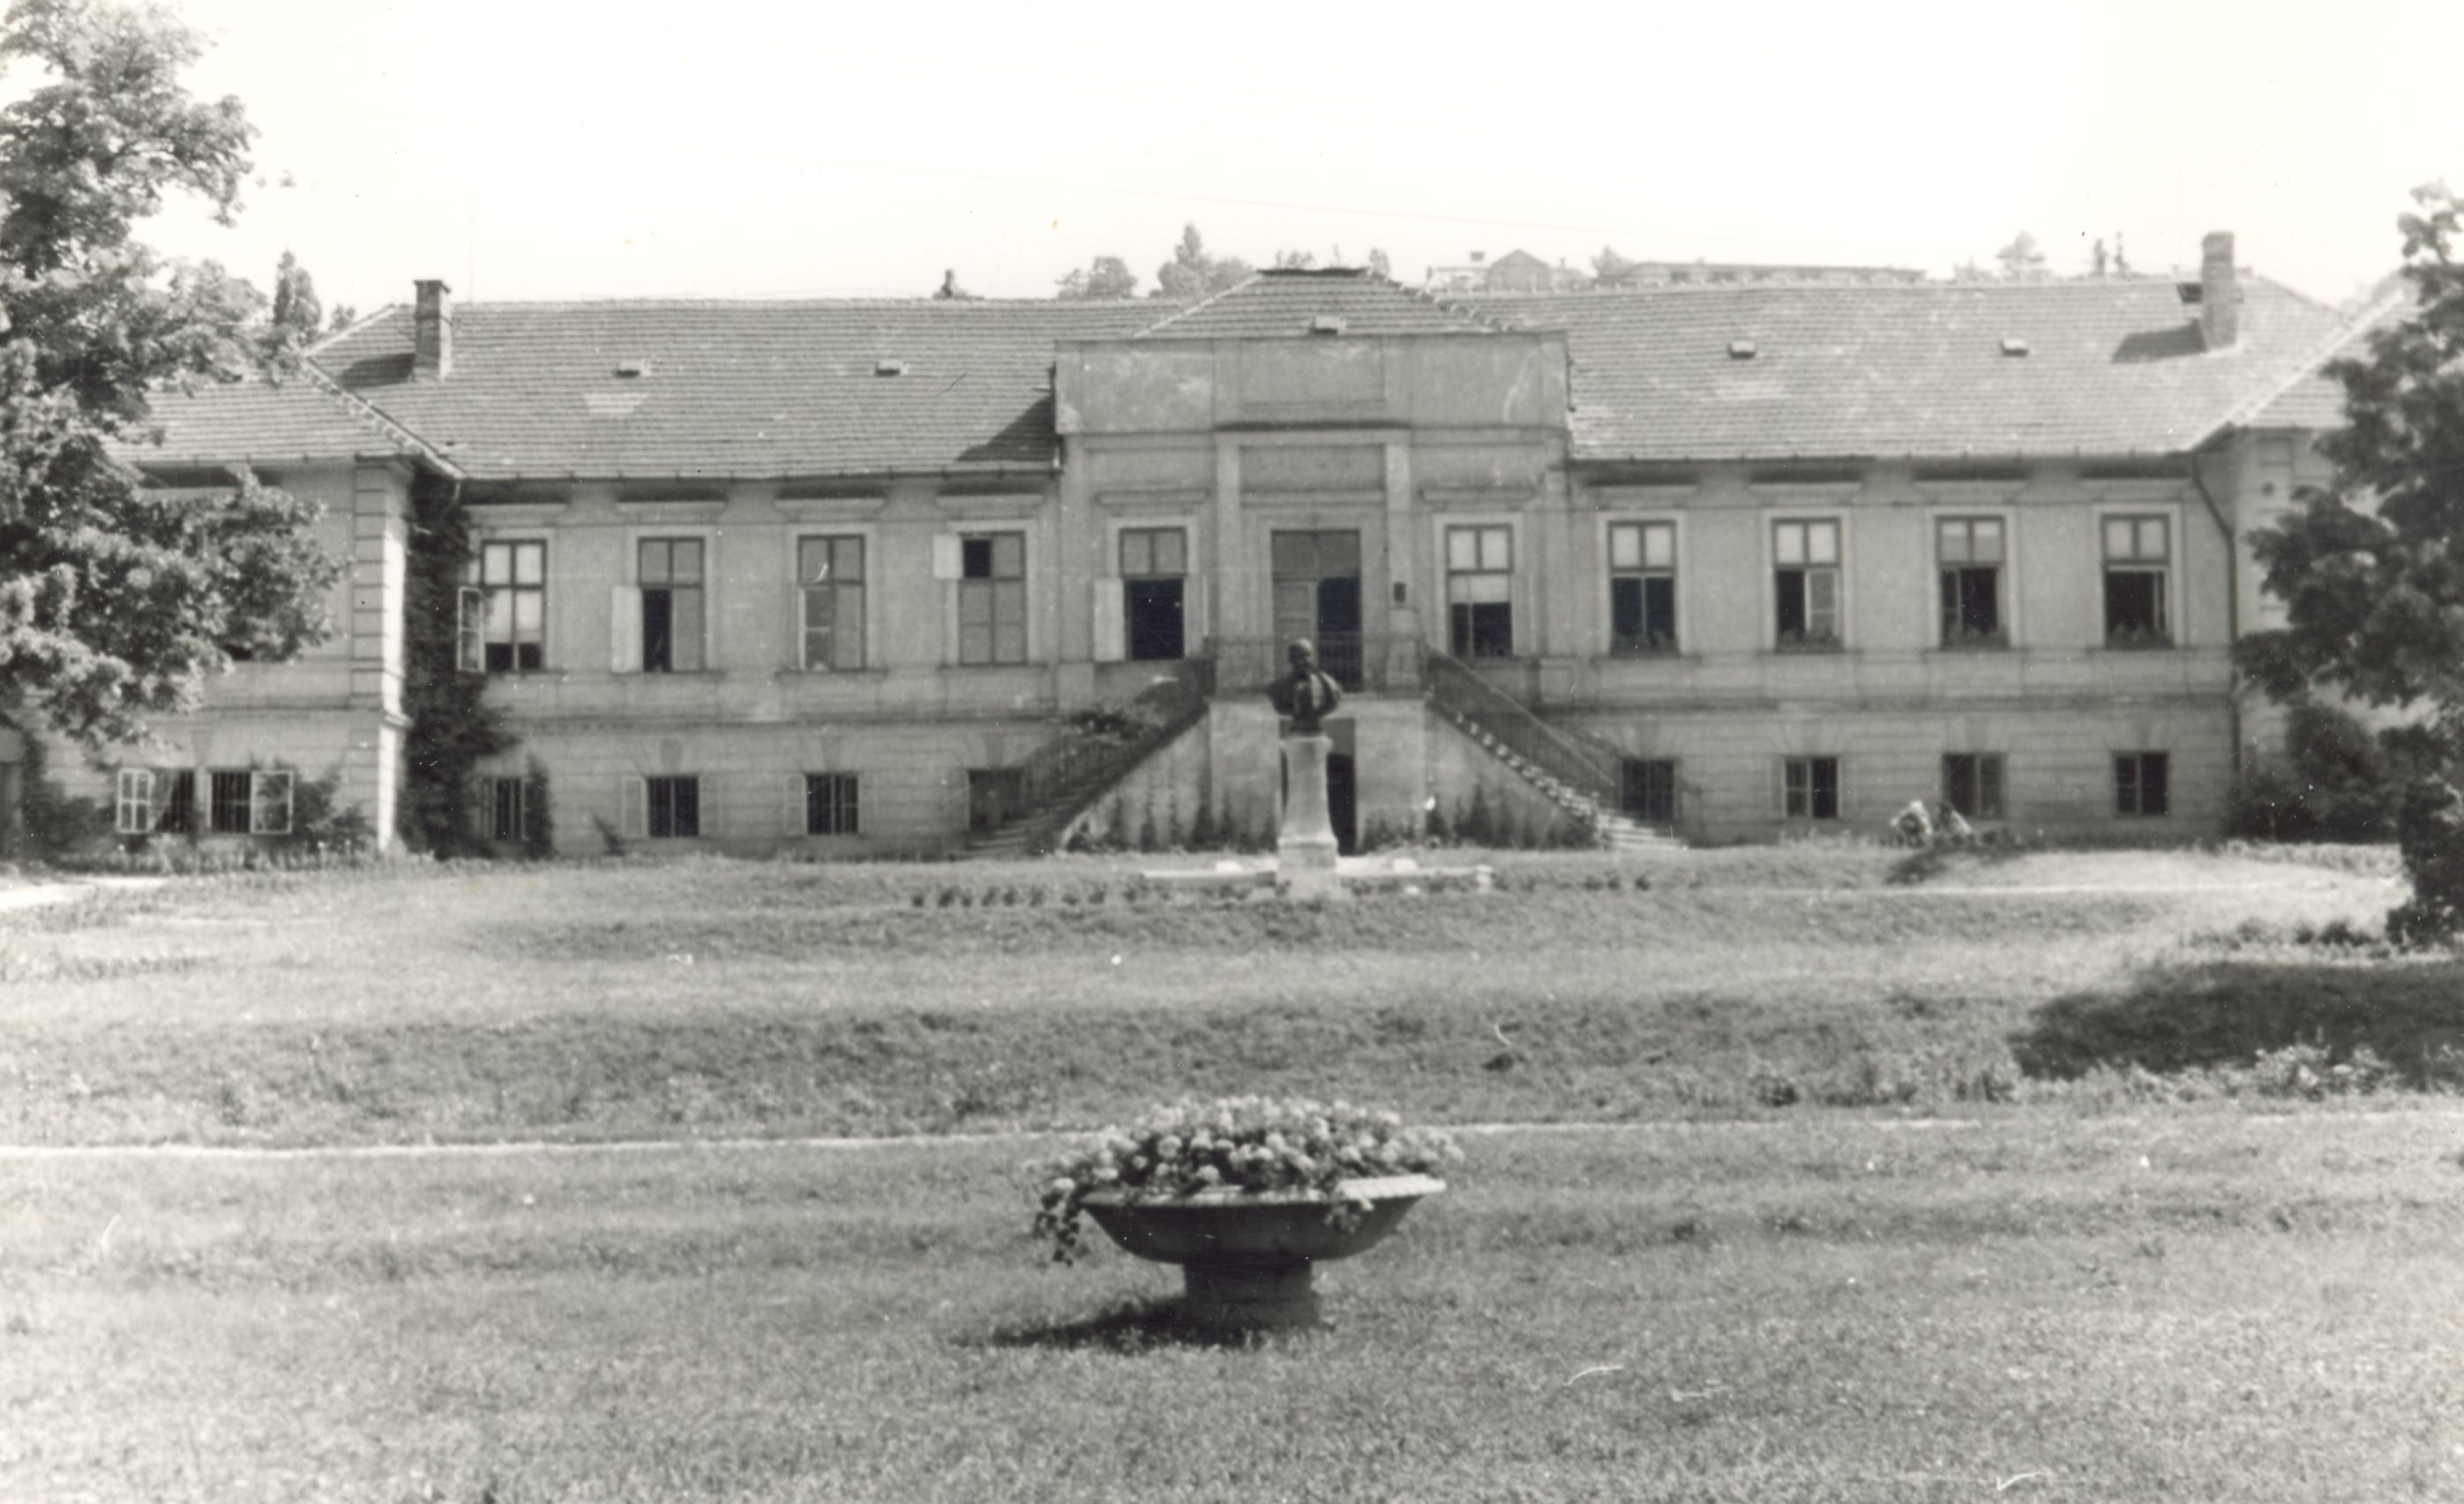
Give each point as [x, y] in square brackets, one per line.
[633, 808]
[1112, 626]
[470, 623]
[1193, 617]
[625, 630]
[134, 815]
[949, 556]
[269, 804]
[791, 809]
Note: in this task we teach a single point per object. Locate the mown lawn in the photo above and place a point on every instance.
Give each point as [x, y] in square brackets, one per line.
[2212, 1306]
[718, 998]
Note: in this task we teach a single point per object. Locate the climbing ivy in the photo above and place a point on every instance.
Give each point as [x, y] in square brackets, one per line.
[452, 725]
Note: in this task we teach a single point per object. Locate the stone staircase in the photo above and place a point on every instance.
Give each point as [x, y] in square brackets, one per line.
[1090, 754]
[1579, 776]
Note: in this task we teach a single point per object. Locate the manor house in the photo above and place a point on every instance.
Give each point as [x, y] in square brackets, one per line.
[1706, 561]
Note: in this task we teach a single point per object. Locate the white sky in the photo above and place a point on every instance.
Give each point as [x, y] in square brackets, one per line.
[731, 149]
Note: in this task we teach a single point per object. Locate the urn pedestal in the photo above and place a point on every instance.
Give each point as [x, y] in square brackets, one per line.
[1305, 847]
[1248, 1258]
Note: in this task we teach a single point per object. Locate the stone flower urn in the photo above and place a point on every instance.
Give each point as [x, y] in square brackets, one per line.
[1249, 1257]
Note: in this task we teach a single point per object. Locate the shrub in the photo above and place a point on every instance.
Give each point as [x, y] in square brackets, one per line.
[2430, 833]
[1251, 1143]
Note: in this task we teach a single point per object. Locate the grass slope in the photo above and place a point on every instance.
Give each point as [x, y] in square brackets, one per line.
[2213, 1307]
[721, 998]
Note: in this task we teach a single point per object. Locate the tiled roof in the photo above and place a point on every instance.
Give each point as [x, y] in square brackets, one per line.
[303, 416]
[731, 388]
[2313, 399]
[2111, 368]
[1273, 304]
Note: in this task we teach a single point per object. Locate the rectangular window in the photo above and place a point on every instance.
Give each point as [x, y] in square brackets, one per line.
[1642, 588]
[508, 802]
[2138, 560]
[2139, 784]
[1970, 553]
[992, 597]
[672, 605]
[1972, 783]
[830, 572]
[228, 807]
[1651, 790]
[513, 593]
[177, 790]
[1155, 569]
[133, 801]
[674, 807]
[1480, 590]
[829, 804]
[1805, 581]
[1810, 788]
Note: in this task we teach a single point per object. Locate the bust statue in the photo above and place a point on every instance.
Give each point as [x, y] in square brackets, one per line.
[1307, 694]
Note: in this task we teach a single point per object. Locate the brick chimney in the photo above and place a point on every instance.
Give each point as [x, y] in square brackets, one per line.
[2219, 291]
[432, 332]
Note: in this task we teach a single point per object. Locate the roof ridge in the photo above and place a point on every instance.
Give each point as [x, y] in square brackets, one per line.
[2319, 352]
[1210, 301]
[371, 415]
[983, 304]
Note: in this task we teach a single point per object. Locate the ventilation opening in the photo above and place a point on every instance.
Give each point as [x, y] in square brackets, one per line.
[1742, 350]
[1326, 324]
[2014, 346]
[2187, 292]
[889, 367]
[630, 369]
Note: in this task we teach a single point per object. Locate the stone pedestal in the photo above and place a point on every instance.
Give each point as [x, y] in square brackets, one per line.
[1305, 848]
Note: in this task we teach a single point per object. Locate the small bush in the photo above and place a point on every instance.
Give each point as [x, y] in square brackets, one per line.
[2430, 833]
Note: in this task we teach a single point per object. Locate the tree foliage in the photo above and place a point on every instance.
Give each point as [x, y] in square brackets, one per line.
[117, 603]
[2371, 567]
[1105, 277]
[1608, 266]
[2022, 259]
[1192, 273]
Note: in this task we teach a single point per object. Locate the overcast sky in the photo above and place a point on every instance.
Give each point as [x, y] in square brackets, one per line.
[730, 149]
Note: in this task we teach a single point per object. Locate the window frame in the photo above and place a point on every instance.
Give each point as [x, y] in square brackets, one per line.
[641, 541]
[1462, 634]
[1638, 772]
[689, 783]
[2005, 630]
[478, 603]
[862, 588]
[1810, 762]
[1185, 577]
[256, 803]
[1996, 764]
[132, 801]
[1645, 571]
[1772, 565]
[964, 582]
[2173, 629]
[516, 791]
[833, 804]
[2130, 797]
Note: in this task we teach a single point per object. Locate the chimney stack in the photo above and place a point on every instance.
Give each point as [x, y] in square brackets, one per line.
[2219, 291]
[432, 332]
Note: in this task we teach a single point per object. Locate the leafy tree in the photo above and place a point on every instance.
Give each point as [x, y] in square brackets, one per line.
[1608, 265]
[1295, 260]
[1379, 265]
[297, 317]
[1106, 277]
[115, 604]
[1192, 273]
[2022, 261]
[343, 317]
[2371, 568]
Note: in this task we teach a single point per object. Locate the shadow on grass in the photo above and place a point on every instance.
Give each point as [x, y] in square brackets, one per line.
[2225, 1013]
[1135, 1327]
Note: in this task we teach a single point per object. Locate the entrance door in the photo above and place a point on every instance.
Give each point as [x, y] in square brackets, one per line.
[1317, 595]
[995, 797]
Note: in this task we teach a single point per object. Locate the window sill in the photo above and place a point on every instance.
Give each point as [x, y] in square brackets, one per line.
[2150, 645]
[1966, 649]
[795, 675]
[1806, 651]
[1646, 655]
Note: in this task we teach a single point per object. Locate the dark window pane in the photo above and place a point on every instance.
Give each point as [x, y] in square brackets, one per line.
[1651, 790]
[658, 631]
[1153, 609]
[1626, 629]
[1826, 788]
[1660, 611]
[976, 558]
[180, 802]
[1791, 590]
[2155, 797]
[2134, 603]
[229, 807]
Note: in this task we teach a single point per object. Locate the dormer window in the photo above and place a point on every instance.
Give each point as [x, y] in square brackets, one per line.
[1742, 350]
[889, 366]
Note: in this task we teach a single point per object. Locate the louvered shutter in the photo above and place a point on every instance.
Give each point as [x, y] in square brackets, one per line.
[633, 808]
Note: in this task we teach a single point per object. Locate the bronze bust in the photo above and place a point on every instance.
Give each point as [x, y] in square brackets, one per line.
[1307, 694]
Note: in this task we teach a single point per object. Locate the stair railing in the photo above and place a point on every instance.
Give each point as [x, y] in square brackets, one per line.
[1591, 771]
[1069, 774]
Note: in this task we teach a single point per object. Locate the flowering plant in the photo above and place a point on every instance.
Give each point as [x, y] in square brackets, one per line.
[1238, 1144]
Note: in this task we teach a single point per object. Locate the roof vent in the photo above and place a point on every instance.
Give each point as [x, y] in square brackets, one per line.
[632, 368]
[1742, 350]
[888, 366]
[1326, 324]
[2014, 345]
